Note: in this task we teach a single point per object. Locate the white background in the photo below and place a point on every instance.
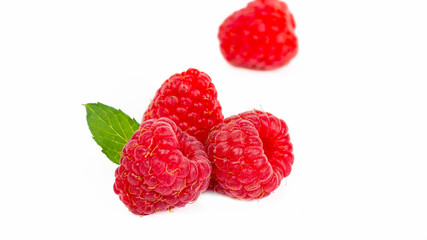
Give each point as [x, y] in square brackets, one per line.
[354, 99]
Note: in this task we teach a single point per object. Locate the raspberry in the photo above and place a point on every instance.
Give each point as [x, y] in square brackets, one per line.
[250, 154]
[190, 100]
[260, 36]
[161, 168]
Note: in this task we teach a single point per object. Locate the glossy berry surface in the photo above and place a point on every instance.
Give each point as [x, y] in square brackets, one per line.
[260, 36]
[250, 154]
[161, 168]
[190, 100]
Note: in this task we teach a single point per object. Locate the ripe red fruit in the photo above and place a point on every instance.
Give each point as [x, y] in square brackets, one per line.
[190, 100]
[250, 154]
[260, 36]
[161, 168]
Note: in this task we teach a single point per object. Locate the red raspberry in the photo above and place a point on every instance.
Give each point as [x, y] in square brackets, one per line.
[190, 100]
[250, 155]
[260, 36]
[161, 168]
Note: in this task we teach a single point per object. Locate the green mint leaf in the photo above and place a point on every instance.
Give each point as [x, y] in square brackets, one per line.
[110, 128]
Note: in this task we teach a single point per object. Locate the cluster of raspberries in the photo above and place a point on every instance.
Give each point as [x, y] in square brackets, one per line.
[184, 146]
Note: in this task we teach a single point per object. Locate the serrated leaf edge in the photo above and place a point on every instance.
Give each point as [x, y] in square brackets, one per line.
[106, 149]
